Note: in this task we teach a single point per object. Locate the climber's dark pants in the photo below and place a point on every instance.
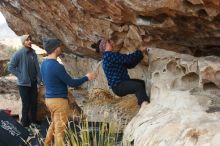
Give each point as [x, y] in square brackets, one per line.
[132, 86]
[29, 104]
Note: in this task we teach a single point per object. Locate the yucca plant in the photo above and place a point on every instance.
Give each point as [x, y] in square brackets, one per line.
[86, 133]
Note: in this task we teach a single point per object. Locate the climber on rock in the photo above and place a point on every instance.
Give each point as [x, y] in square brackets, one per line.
[116, 65]
[56, 81]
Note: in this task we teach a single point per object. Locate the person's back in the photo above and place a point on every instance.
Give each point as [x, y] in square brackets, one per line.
[115, 70]
[56, 80]
[55, 87]
[115, 66]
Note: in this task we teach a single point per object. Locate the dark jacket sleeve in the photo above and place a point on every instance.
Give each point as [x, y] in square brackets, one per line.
[138, 56]
[65, 77]
[13, 65]
[129, 60]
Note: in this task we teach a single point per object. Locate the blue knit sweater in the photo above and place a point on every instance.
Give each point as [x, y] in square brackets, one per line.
[56, 79]
[115, 65]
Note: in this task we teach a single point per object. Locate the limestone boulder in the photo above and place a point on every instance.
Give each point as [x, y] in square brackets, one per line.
[185, 102]
[180, 68]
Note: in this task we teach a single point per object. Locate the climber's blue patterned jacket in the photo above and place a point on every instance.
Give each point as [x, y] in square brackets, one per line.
[115, 65]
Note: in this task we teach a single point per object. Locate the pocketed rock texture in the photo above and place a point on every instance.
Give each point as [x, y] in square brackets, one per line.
[185, 99]
[182, 77]
[185, 103]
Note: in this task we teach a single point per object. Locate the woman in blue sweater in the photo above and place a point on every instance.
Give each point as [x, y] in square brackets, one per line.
[116, 65]
[56, 80]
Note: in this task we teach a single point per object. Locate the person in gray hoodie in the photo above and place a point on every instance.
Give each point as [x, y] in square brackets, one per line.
[25, 66]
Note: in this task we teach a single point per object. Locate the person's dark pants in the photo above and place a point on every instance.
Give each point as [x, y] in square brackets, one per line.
[132, 86]
[29, 104]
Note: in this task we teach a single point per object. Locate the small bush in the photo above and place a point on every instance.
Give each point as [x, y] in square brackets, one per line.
[85, 133]
[4, 69]
[93, 134]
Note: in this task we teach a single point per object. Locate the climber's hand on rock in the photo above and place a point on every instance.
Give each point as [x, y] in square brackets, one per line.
[91, 76]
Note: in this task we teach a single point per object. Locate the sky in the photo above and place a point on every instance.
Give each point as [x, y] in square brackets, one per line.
[5, 31]
[2, 19]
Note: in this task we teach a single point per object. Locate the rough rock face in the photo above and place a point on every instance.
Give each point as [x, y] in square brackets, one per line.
[186, 26]
[185, 98]
[184, 87]
[185, 102]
